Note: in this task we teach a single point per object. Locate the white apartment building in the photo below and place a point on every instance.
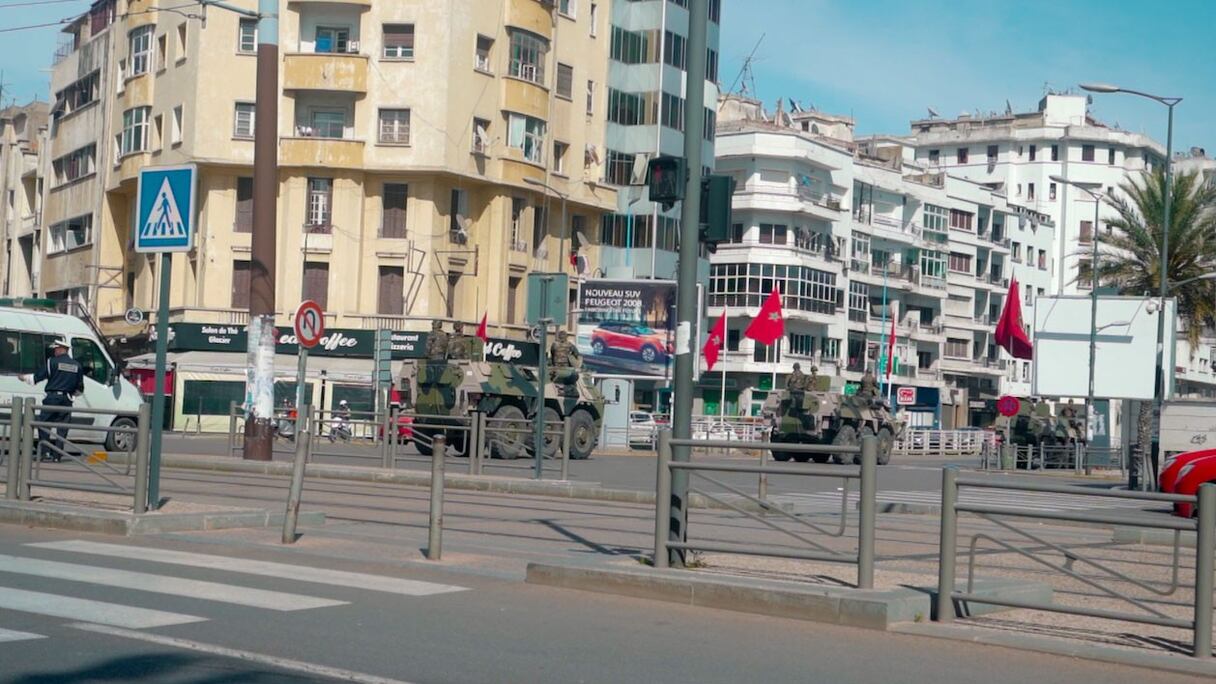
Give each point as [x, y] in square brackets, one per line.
[22, 156]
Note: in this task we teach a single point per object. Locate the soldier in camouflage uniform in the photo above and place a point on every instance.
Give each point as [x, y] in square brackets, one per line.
[437, 343]
[460, 346]
[812, 380]
[869, 386]
[796, 382]
[563, 353]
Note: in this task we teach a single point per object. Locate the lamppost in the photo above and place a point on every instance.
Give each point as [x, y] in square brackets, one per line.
[565, 226]
[1093, 295]
[1159, 390]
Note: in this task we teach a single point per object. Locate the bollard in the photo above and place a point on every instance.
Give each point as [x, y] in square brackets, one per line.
[1205, 549]
[472, 443]
[385, 435]
[15, 432]
[434, 542]
[662, 501]
[762, 483]
[865, 531]
[296, 490]
[395, 440]
[142, 447]
[948, 546]
[483, 442]
[231, 427]
[27, 451]
[567, 434]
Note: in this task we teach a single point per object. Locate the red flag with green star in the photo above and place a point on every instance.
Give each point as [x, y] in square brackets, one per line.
[768, 326]
[713, 345]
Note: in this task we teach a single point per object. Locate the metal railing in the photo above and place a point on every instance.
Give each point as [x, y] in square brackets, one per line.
[1080, 458]
[29, 438]
[948, 595]
[668, 538]
[917, 441]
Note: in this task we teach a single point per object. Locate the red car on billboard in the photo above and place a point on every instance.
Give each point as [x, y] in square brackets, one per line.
[650, 345]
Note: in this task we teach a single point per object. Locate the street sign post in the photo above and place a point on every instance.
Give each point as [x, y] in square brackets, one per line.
[309, 327]
[165, 224]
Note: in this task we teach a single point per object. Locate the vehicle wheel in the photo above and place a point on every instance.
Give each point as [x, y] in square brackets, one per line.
[458, 440]
[583, 435]
[553, 442]
[802, 458]
[597, 347]
[649, 354]
[845, 436]
[121, 441]
[423, 444]
[820, 458]
[781, 456]
[886, 442]
[866, 431]
[508, 445]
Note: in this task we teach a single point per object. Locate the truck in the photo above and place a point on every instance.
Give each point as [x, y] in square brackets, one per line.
[507, 394]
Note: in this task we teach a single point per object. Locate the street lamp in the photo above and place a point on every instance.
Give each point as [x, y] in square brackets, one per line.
[565, 226]
[1093, 295]
[1169, 102]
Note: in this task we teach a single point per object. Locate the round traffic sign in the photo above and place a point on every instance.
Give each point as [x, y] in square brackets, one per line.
[133, 316]
[1008, 406]
[309, 324]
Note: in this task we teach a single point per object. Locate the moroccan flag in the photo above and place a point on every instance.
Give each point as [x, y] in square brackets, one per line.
[481, 329]
[768, 326]
[715, 343]
[1010, 333]
[891, 345]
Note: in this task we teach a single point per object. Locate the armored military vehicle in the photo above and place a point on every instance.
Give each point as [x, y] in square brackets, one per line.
[507, 394]
[1034, 425]
[822, 416]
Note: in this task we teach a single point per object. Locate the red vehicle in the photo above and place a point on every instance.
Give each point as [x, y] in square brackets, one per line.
[405, 430]
[1173, 464]
[651, 345]
[1190, 476]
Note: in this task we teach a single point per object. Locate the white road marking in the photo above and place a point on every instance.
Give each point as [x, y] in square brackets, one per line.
[93, 611]
[12, 635]
[339, 578]
[161, 584]
[1028, 501]
[260, 658]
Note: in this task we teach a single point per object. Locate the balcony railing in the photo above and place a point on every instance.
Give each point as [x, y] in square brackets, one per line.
[859, 265]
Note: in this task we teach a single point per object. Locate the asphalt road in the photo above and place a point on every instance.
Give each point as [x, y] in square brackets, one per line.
[405, 623]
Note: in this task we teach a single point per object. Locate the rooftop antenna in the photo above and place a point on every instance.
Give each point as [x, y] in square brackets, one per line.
[933, 113]
[1008, 107]
[745, 73]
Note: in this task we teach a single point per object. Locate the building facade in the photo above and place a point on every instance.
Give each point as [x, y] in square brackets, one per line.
[23, 153]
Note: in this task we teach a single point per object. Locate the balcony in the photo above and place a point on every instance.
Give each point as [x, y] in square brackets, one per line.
[336, 153]
[325, 71]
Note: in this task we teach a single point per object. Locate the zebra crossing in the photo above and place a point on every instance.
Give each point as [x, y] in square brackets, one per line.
[78, 562]
[828, 502]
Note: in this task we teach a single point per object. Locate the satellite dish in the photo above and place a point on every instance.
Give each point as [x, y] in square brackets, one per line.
[461, 234]
[933, 113]
[582, 239]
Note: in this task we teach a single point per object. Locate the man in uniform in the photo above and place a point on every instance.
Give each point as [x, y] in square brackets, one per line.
[460, 345]
[437, 343]
[796, 382]
[869, 386]
[563, 353]
[64, 378]
[812, 380]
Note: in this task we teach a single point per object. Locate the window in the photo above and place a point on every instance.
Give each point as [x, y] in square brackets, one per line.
[330, 39]
[247, 36]
[1034, 149]
[675, 49]
[393, 209]
[540, 226]
[453, 293]
[134, 136]
[1087, 232]
[390, 297]
[1087, 153]
[95, 364]
[518, 205]
[958, 349]
[75, 165]
[240, 284]
[559, 157]
[398, 41]
[1029, 295]
[590, 97]
[481, 136]
[512, 298]
[139, 50]
[180, 48]
[527, 134]
[711, 65]
[992, 154]
[565, 81]
[243, 124]
[1055, 153]
[395, 126]
[748, 284]
[1019, 191]
[773, 234]
[962, 155]
[162, 50]
[961, 220]
[935, 218]
[528, 53]
[671, 114]
[83, 92]
[177, 125]
[1016, 252]
[481, 60]
[328, 123]
[458, 211]
[595, 19]
[243, 221]
[960, 263]
[316, 283]
[803, 345]
[935, 156]
[1042, 258]
[619, 169]
[320, 201]
[1030, 191]
[1110, 157]
[71, 234]
[158, 132]
[859, 301]
[567, 7]
[630, 109]
[1051, 192]
[711, 122]
[630, 47]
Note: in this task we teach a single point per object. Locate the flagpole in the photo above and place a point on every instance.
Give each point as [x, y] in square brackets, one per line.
[891, 354]
[725, 348]
[882, 338]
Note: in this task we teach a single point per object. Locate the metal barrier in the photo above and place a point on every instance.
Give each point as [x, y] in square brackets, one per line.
[29, 438]
[1205, 552]
[1080, 458]
[916, 441]
[665, 540]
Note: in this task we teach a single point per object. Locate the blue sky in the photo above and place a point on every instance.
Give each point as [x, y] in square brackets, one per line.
[885, 61]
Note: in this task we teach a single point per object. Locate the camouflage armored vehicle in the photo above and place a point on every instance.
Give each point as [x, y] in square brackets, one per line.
[822, 416]
[507, 394]
[1033, 425]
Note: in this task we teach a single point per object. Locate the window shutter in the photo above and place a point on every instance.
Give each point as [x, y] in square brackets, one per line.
[391, 299]
[244, 205]
[393, 203]
[316, 283]
[240, 284]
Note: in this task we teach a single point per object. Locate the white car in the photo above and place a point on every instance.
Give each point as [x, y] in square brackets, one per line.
[716, 431]
[643, 430]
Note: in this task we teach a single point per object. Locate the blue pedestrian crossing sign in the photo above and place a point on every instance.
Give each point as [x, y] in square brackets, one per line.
[166, 209]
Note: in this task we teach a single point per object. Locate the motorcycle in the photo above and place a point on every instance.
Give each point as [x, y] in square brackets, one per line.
[340, 429]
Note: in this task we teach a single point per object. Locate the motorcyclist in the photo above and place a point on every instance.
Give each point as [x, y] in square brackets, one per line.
[341, 421]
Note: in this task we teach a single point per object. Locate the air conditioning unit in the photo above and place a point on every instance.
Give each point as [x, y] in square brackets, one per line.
[352, 47]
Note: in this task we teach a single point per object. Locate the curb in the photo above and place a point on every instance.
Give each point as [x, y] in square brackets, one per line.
[64, 517]
[1150, 537]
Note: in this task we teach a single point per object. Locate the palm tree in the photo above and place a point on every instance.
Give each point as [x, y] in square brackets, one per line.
[1130, 257]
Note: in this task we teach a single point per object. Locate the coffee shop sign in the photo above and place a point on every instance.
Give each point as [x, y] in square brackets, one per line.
[330, 342]
[504, 351]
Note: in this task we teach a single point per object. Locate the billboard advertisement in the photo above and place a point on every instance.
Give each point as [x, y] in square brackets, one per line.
[626, 327]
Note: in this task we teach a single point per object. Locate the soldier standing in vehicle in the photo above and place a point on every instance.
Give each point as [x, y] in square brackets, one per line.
[437, 343]
[869, 386]
[812, 380]
[563, 353]
[460, 345]
[796, 382]
[64, 378]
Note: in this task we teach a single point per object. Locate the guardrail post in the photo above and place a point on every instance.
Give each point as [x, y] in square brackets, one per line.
[662, 501]
[865, 533]
[947, 546]
[15, 433]
[473, 442]
[27, 452]
[296, 491]
[483, 440]
[434, 542]
[567, 434]
[142, 449]
[1205, 549]
[231, 427]
[385, 436]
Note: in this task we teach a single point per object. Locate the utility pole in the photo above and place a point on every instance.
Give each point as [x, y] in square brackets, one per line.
[259, 388]
[686, 301]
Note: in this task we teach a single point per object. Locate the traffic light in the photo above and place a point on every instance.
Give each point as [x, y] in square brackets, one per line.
[716, 193]
[666, 177]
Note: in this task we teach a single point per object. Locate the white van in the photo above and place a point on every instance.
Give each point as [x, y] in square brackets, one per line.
[24, 338]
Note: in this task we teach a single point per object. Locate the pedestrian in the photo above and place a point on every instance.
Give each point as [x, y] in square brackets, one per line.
[64, 379]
